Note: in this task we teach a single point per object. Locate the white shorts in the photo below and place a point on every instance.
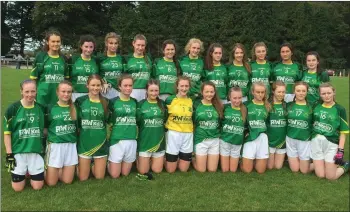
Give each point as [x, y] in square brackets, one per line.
[257, 149]
[111, 93]
[77, 95]
[322, 149]
[298, 149]
[289, 97]
[138, 94]
[123, 151]
[208, 147]
[31, 162]
[273, 150]
[163, 96]
[59, 155]
[178, 142]
[232, 150]
[152, 154]
[90, 157]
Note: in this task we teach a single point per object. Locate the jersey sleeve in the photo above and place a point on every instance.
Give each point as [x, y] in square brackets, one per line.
[7, 120]
[38, 66]
[324, 77]
[66, 69]
[154, 69]
[344, 126]
[299, 76]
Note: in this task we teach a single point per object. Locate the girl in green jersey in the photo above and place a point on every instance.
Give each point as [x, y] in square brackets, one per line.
[299, 130]
[192, 65]
[23, 132]
[151, 116]
[122, 150]
[256, 145]
[215, 71]
[330, 128]
[239, 70]
[139, 65]
[314, 76]
[277, 126]
[82, 66]
[61, 151]
[207, 114]
[93, 113]
[232, 130]
[111, 65]
[49, 69]
[166, 70]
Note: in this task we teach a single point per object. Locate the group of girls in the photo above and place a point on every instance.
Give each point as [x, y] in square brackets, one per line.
[204, 114]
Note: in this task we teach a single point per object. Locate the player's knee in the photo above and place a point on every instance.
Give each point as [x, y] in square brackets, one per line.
[246, 169]
[320, 175]
[51, 182]
[185, 156]
[157, 170]
[38, 185]
[18, 188]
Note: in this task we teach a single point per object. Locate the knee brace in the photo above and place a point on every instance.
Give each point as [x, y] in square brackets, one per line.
[37, 177]
[185, 156]
[170, 157]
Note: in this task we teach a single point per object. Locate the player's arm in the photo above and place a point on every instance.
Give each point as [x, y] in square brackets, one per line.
[38, 66]
[10, 162]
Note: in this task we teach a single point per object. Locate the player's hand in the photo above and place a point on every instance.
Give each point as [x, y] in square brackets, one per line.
[338, 158]
[10, 163]
[105, 88]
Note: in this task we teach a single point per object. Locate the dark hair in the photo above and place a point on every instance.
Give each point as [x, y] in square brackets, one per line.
[273, 88]
[314, 53]
[254, 47]
[112, 35]
[102, 99]
[48, 34]
[26, 81]
[123, 77]
[289, 45]
[155, 82]
[87, 38]
[182, 78]
[177, 65]
[216, 100]
[241, 106]
[142, 37]
[72, 110]
[265, 100]
[209, 58]
[245, 58]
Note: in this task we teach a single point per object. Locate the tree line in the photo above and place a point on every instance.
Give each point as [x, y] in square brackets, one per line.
[317, 26]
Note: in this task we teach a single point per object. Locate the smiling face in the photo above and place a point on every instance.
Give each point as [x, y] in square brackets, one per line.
[208, 92]
[94, 86]
[87, 48]
[126, 86]
[183, 87]
[312, 62]
[195, 49]
[112, 45]
[236, 98]
[28, 92]
[286, 53]
[153, 92]
[139, 47]
[300, 92]
[238, 55]
[169, 51]
[64, 92]
[260, 52]
[54, 43]
[279, 93]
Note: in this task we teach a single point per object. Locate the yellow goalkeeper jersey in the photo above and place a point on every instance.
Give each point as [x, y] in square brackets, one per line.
[180, 114]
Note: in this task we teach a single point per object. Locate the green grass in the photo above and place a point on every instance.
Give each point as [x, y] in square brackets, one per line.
[273, 191]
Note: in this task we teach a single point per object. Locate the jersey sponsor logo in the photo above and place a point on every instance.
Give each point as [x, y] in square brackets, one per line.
[285, 79]
[218, 83]
[184, 119]
[239, 83]
[264, 80]
[167, 78]
[112, 74]
[312, 90]
[278, 123]
[125, 121]
[54, 78]
[154, 122]
[92, 124]
[233, 129]
[257, 124]
[323, 127]
[193, 76]
[29, 133]
[65, 129]
[298, 124]
[141, 75]
[208, 124]
[82, 79]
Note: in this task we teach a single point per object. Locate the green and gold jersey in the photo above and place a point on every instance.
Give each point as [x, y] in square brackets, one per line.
[165, 71]
[314, 80]
[61, 127]
[111, 67]
[299, 121]
[219, 77]
[206, 121]
[48, 71]
[287, 73]
[261, 72]
[150, 119]
[239, 76]
[193, 69]
[123, 119]
[79, 71]
[140, 69]
[277, 126]
[25, 125]
[232, 128]
[91, 124]
[179, 114]
[256, 119]
[330, 121]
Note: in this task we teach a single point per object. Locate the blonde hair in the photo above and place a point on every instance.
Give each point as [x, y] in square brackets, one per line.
[192, 41]
[326, 85]
[265, 99]
[112, 35]
[241, 106]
